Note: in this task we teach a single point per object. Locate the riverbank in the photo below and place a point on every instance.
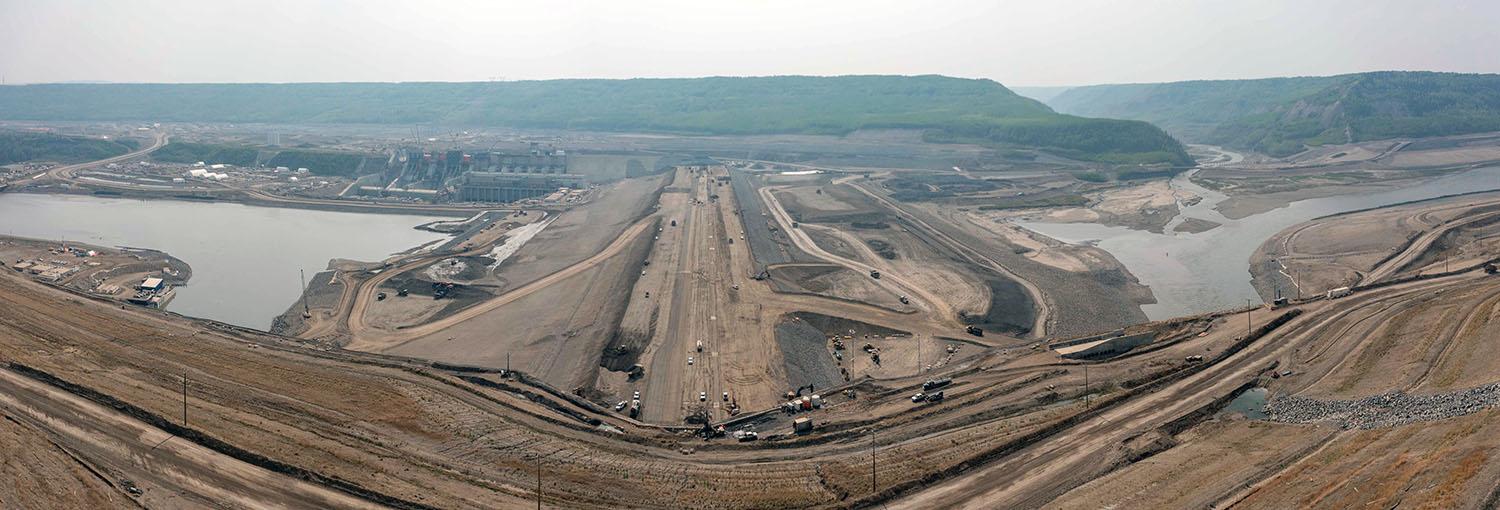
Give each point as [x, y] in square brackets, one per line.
[1198, 272]
[235, 196]
[245, 259]
[109, 272]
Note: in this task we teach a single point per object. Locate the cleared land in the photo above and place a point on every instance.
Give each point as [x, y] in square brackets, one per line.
[1369, 246]
[454, 439]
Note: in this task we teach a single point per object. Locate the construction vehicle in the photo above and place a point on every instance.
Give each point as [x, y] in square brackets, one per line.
[1196, 358]
[401, 293]
[1489, 268]
[918, 397]
[380, 296]
[635, 408]
[874, 274]
[935, 397]
[700, 346]
[674, 223]
[937, 383]
[974, 330]
[1339, 292]
[905, 300]
[746, 435]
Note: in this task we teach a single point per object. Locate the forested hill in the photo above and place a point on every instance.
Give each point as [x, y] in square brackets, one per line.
[17, 146]
[952, 109]
[1281, 116]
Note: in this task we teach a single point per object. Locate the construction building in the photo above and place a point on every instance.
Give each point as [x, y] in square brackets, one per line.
[512, 186]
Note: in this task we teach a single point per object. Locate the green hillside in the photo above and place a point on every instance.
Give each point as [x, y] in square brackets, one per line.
[19, 146]
[950, 108]
[1282, 116]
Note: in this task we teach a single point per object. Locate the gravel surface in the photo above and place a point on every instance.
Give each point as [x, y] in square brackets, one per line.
[1384, 410]
[806, 355]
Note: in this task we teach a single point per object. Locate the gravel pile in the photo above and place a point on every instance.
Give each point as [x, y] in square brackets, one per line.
[805, 355]
[1385, 410]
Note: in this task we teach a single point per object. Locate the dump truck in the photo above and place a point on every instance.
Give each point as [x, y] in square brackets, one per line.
[700, 346]
[1339, 292]
[874, 274]
[635, 408]
[974, 330]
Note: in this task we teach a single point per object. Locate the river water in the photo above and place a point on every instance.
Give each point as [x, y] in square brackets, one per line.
[245, 259]
[1207, 271]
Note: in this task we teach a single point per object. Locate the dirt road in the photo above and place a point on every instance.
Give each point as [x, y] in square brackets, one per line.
[65, 172]
[1421, 245]
[367, 339]
[1043, 321]
[1043, 472]
[940, 310]
[170, 472]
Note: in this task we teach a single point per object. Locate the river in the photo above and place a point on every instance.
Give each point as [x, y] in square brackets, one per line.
[1207, 271]
[245, 259]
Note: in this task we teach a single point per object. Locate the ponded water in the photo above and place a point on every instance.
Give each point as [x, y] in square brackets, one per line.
[245, 259]
[1207, 271]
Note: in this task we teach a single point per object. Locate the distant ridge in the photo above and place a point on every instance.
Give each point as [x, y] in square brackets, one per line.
[949, 109]
[1282, 116]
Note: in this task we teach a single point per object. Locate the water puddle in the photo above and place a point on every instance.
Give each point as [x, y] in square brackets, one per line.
[1250, 403]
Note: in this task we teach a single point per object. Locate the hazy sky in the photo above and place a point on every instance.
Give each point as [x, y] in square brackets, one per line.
[1043, 42]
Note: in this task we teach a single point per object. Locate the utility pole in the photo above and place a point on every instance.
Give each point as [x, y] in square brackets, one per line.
[1248, 308]
[184, 400]
[538, 484]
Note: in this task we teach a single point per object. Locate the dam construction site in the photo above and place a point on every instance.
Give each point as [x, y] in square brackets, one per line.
[331, 313]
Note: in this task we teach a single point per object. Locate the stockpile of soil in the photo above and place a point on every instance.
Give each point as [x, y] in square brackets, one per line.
[1011, 309]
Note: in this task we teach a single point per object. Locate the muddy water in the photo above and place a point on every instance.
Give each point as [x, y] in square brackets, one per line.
[1195, 273]
[1251, 404]
[245, 259]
